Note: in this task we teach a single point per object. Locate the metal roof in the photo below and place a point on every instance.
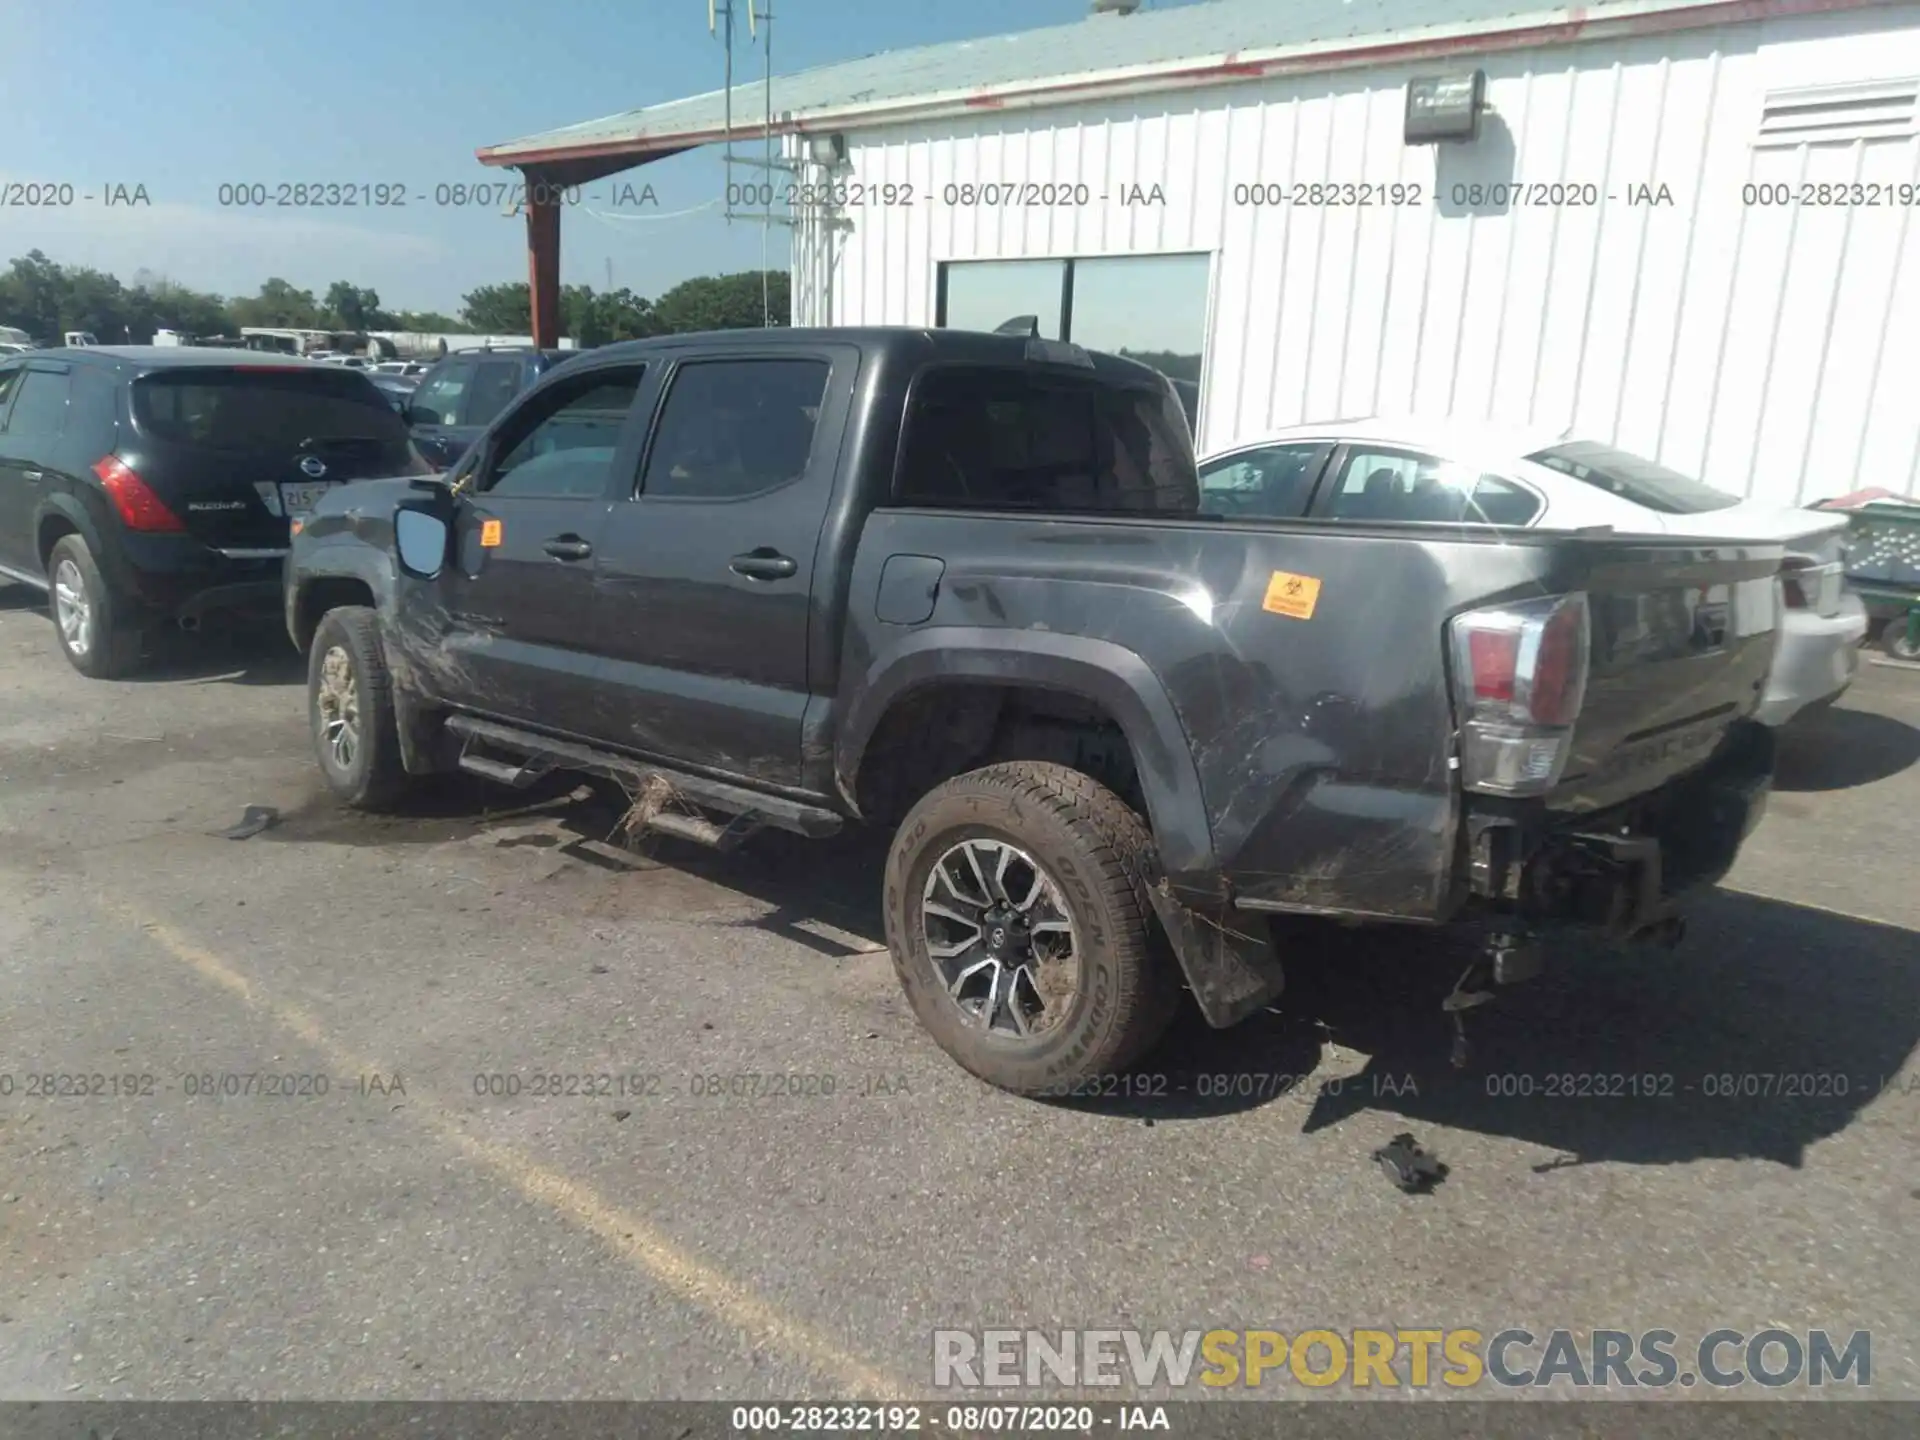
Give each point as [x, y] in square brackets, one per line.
[1105, 55]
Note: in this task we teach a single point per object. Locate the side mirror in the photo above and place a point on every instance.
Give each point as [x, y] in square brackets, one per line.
[420, 534]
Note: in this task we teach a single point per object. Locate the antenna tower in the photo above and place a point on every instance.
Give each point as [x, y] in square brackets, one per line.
[720, 22]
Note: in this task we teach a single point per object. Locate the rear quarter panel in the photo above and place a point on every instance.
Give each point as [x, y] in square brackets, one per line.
[1320, 740]
[1320, 726]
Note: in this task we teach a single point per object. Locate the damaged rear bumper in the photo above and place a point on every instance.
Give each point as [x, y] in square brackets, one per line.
[1622, 871]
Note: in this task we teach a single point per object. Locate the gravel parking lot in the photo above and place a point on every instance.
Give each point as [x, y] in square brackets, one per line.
[421, 1230]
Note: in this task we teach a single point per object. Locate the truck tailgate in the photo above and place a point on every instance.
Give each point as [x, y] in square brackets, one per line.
[1682, 637]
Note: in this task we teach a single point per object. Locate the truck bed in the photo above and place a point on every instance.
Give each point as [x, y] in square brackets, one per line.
[1306, 670]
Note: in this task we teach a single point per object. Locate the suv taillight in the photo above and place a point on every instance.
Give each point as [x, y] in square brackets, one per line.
[1519, 679]
[139, 507]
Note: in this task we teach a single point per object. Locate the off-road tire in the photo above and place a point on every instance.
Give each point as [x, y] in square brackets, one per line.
[1099, 851]
[116, 644]
[374, 778]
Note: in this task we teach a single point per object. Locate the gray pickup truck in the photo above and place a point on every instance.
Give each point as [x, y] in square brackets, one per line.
[962, 586]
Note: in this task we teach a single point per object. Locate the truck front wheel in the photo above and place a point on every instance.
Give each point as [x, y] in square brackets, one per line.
[1019, 923]
[350, 708]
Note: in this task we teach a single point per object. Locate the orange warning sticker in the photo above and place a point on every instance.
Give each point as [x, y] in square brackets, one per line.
[490, 536]
[1293, 595]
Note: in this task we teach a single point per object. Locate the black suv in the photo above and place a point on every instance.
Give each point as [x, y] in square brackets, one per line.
[145, 484]
[460, 396]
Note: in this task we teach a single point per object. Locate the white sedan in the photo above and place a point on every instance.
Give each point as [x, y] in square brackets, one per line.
[1451, 473]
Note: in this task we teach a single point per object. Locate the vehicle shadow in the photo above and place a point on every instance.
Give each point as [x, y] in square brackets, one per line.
[439, 809]
[1838, 749]
[1770, 1028]
[235, 651]
[240, 650]
[802, 882]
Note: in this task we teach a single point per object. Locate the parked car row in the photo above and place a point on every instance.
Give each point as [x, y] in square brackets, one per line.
[1116, 709]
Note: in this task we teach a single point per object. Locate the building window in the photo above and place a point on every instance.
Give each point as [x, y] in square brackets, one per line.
[1151, 308]
[985, 294]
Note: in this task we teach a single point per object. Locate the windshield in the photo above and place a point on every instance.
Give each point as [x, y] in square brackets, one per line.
[1634, 477]
[263, 409]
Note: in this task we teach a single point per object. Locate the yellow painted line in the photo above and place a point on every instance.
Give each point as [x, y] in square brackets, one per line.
[639, 1243]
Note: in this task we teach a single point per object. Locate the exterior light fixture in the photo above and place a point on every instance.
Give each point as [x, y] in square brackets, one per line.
[1445, 107]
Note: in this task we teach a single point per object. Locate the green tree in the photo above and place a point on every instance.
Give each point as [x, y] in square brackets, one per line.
[96, 302]
[591, 318]
[498, 309]
[356, 308]
[279, 305]
[427, 322]
[31, 293]
[156, 303]
[725, 302]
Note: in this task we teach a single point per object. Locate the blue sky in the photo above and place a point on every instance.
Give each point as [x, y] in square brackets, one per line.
[182, 96]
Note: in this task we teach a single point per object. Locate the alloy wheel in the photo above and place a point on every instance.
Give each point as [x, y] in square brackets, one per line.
[73, 607]
[1001, 936]
[338, 698]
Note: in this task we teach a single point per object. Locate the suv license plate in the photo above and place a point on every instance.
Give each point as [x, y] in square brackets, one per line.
[297, 500]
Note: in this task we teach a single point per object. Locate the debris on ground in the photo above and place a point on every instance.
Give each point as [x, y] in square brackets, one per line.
[1413, 1170]
[647, 800]
[253, 820]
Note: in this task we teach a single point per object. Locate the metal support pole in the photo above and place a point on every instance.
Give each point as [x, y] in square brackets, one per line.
[543, 263]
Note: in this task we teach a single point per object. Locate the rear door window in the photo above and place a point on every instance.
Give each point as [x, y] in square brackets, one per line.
[9, 382]
[1005, 438]
[495, 383]
[733, 428]
[1398, 485]
[264, 409]
[39, 406]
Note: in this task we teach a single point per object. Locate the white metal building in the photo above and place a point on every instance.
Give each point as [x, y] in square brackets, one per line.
[1687, 228]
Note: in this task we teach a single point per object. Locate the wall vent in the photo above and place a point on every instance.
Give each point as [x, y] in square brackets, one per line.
[1828, 114]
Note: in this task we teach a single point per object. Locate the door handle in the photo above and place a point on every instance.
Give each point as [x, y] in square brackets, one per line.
[568, 547]
[766, 563]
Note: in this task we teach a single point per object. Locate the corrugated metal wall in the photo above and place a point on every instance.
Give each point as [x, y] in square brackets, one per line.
[1772, 349]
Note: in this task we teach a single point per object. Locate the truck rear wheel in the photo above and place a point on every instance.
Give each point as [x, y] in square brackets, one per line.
[1019, 923]
[350, 708]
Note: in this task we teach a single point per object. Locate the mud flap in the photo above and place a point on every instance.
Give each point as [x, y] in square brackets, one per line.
[423, 743]
[1227, 956]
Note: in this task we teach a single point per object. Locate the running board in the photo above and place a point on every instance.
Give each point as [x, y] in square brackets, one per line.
[750, 810]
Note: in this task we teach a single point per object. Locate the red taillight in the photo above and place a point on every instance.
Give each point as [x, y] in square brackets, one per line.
[139, 507]
[1519, 680]
[1560, 667]
[1494, 656]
